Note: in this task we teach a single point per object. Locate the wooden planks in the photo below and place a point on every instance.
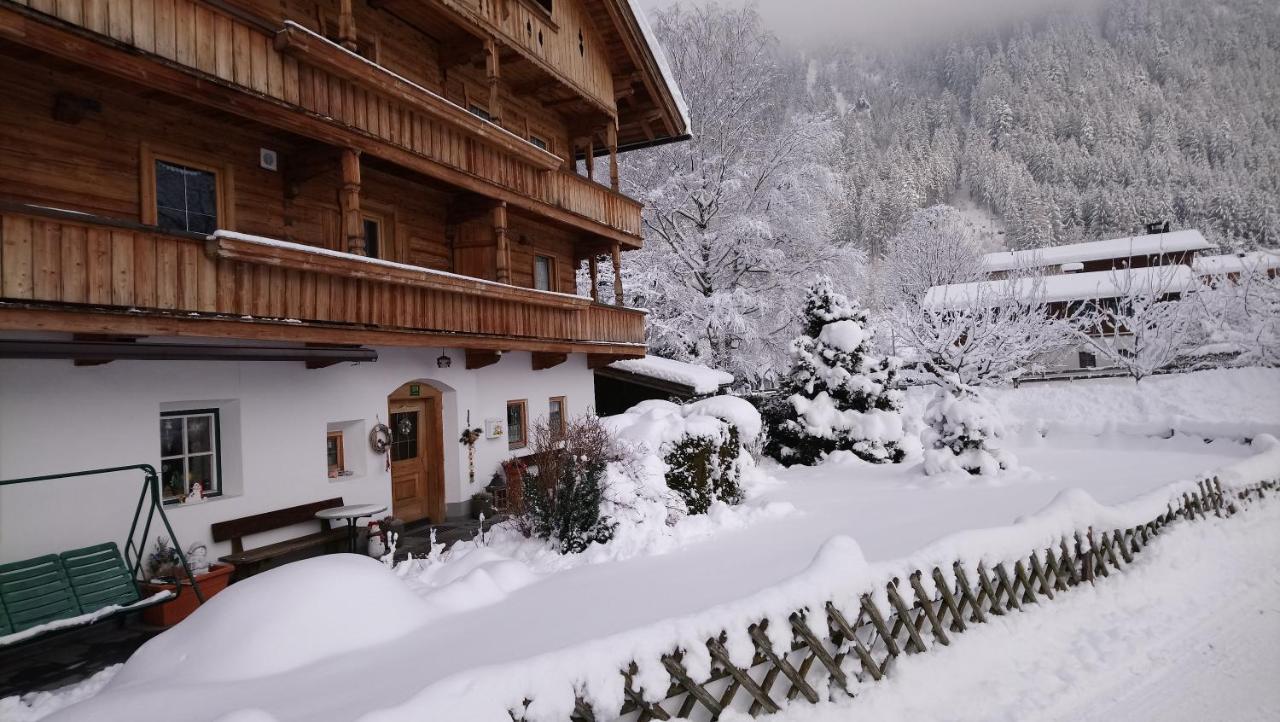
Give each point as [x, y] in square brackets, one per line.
[62, 259]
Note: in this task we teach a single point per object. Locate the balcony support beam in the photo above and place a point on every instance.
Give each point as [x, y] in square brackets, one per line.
[347, 26]
[349, 199]
[593, 263]
[617, 274]
[493, 73]
[612, 138]
[544, 360]
[503, 250]
[478, 359]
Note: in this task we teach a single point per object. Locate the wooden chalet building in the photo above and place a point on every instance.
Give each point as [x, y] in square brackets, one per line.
[237, 235]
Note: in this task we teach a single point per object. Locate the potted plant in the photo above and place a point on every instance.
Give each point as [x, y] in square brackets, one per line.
[165, 574]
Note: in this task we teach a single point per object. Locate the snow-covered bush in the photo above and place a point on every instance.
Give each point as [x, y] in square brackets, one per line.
[704, 469]
[961, 428]
[839, 395]
[563, 487]
[1240, 314]
[685, 458]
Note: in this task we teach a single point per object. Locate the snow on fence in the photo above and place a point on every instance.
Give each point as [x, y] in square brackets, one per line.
[852, 642]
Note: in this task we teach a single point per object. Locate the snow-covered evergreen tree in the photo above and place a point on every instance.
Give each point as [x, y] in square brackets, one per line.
[839, 395]
[963, 432]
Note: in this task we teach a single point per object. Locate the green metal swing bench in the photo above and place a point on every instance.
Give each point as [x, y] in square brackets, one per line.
[82, 587]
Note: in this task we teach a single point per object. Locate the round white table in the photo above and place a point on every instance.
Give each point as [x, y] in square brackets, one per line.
[350, 514]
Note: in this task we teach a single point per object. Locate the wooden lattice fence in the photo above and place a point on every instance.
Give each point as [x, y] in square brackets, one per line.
[855, 642]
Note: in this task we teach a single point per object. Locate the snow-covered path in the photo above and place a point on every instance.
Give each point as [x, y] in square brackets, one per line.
[1188, 634]
[884, 513]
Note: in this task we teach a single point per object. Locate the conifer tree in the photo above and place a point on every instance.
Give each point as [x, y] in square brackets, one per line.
[839, 395]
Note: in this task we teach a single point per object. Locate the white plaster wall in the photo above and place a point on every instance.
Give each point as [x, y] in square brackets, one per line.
[55, 417]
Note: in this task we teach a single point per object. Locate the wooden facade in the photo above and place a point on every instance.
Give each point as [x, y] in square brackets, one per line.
[454, 127]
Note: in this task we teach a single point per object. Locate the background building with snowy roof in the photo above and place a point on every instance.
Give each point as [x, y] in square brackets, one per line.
[238, 237]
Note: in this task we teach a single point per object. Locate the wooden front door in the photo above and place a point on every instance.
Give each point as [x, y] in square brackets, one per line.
[417, 460]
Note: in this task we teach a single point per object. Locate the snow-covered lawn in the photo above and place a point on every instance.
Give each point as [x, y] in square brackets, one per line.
[1187, 634]
[499, 605]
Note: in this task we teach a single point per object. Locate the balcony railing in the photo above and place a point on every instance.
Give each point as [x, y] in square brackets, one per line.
[321, 80]
[57, 257]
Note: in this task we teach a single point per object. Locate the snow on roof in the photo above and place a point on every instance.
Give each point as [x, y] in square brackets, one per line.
[702, 379]
[1158, 243]
[1237, 263]
[664, 65]
[1065, 287]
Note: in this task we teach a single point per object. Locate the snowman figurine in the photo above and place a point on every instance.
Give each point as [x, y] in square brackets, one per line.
[196, 495]
[198, 559]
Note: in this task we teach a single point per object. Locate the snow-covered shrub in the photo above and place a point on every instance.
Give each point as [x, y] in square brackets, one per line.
[704, 469]
[839, 395]
[673, 473]
[563, 487]
[961, 426]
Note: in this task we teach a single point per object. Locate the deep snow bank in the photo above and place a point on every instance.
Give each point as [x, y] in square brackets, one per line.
[280, 620]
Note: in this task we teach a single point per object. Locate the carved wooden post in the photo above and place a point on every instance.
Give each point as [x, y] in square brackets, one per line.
[347, 26]
[349, 200]
[503, 249]
[591, 156]
[612, 138]
[617, 274]
[593, 267]
[493, 73]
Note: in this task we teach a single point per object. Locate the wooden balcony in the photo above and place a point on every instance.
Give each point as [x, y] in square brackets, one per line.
[292, 79]
[66, 272]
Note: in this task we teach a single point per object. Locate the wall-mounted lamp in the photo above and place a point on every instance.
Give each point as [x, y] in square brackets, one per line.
[444, 361]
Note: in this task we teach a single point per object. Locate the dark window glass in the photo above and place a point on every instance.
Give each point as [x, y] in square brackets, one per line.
[372, 238]
[332, 452]
[186, 198]
[546, 4]
[404, 435]
[538, 142]
[542, 273]
[555, 417]
[1088, 360]
[480, 112]
[515, 424]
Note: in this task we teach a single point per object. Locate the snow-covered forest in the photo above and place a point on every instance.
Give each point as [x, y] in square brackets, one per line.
[1084, 124]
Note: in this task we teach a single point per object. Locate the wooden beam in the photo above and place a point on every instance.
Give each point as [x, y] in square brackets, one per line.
[78, 319]
[477, 359]
[611, 137]
[545, 360]
[593, 263]
[493, 73]
[100, 337]
[349, 200]
[617, 275]
[347, 26]
[503, 245]
[591, 157]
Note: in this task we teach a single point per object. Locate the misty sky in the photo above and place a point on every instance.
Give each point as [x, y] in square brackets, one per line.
[883, 20]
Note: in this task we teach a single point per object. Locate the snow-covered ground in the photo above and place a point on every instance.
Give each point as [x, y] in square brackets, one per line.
[1187, 634]
[500, 605]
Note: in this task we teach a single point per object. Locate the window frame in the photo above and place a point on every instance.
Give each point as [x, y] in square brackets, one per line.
[216, 439]
[552, 285]
[523, 441]
[480, 111]
[538, 142]
[381, 221]
[336, 471]
[564, 406]
[223, 183]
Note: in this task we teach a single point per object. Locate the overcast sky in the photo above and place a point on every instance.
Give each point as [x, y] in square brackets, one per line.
[884, 20]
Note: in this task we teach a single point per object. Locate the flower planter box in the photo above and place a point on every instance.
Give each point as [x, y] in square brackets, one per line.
[172, 612]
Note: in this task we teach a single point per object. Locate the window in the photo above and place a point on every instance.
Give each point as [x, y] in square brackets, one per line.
[1088, 360]
[186, 198]
[480, 112]
[404, 435]
[538, 142]
[372, 236]
[555, 415]
[544, 273]
[517, 434]
[337, 460]
[189, 453]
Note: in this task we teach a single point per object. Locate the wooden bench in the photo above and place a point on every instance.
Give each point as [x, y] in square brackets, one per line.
[251, 561]
[68, 589]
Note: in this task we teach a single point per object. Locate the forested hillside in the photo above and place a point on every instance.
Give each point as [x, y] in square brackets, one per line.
[1084, 124]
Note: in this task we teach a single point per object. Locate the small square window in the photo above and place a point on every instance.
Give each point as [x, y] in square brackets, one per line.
[372, 236]
[555, 415]
[544, 273]
[480, 112]
[186, 198]
[538, 142]
[1088, 360]
[189, 453]
[517, 433]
